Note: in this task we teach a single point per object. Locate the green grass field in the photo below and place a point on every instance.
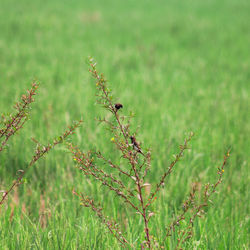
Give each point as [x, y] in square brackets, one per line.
[181, 66]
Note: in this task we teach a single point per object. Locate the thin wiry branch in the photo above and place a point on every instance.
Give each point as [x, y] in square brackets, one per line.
[15, 122]
[39, 153]
[112, 165]
[112, 226]
[170, 168]
[118, 179]
[208, 191]
[186, 206]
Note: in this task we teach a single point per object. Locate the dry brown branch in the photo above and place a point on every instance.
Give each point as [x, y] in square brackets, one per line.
[39, 153]
[14, 122]
[128, 182]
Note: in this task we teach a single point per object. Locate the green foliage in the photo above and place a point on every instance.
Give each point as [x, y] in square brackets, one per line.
[180, 65]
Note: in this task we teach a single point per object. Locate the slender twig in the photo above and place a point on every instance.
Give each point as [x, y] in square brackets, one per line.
[17, 120]
[207, 195]
[186, 206]
[170, 168]
[115, 179]
[110, 224]
[39, 153]
[112, 165]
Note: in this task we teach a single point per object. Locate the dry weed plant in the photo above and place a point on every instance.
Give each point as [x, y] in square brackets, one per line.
[9, 126]
[129, 183]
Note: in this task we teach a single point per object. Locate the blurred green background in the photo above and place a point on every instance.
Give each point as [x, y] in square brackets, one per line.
[181, 66]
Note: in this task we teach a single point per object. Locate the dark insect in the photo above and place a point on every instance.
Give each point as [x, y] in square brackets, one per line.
[118, 106]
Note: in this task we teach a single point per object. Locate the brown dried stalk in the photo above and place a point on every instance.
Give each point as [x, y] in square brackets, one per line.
[127, 182]
[15, 122]
[139, 163]
[111, 224]
[86, 165]
[186, 205]
[198, 212]
[39, 153]
[170, 168]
